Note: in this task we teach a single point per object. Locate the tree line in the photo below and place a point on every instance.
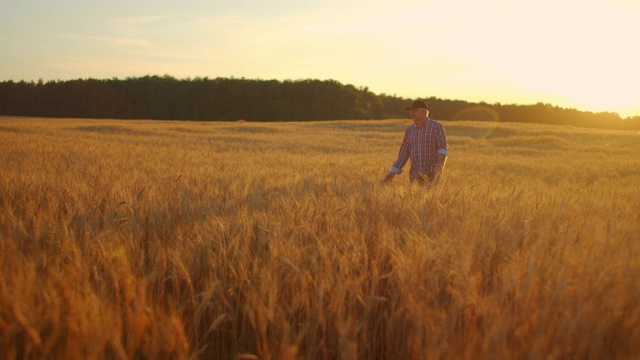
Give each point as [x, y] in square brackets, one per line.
[165, 97]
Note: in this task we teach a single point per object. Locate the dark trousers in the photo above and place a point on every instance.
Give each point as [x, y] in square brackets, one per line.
[424, 180]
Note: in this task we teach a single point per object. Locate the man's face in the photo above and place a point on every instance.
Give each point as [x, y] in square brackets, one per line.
[417, 114]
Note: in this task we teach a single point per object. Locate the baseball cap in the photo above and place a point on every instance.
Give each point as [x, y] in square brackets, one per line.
[418, 105]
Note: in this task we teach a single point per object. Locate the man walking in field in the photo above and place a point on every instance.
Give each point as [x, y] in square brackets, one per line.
[425, 143]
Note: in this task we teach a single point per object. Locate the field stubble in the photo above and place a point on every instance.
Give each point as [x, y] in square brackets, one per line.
[146, 239]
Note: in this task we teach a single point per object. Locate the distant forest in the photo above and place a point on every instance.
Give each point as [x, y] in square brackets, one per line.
[165, 97]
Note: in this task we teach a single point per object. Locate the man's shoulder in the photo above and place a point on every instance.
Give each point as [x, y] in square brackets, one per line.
[435, 123]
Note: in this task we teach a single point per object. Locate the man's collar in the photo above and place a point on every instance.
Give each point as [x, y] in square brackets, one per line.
[426, 120]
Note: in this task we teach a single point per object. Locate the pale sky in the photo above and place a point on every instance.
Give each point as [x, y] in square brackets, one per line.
[578, 54]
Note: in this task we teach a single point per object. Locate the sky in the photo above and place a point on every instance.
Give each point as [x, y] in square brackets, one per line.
[569, 53]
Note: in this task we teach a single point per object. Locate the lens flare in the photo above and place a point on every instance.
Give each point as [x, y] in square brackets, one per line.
[480, 113]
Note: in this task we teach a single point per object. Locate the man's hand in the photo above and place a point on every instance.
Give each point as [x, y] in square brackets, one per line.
[437, 169]
[388, 177]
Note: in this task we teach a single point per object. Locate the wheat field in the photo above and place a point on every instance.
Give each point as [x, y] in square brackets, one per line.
[239, 240]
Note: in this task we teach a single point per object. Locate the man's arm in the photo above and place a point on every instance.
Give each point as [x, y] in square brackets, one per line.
[403, 157]
[441, 159]
[441, 156]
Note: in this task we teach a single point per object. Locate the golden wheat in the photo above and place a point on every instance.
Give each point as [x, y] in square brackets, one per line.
[148, 239]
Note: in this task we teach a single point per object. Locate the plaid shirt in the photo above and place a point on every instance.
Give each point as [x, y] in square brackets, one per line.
[421, 145]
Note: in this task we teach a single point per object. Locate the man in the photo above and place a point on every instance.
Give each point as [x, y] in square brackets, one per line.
[425, 143]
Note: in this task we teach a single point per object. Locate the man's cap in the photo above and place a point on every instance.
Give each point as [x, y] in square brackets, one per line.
[418, 105]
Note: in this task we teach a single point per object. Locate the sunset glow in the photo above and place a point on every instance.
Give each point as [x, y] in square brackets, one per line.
[578, 54]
